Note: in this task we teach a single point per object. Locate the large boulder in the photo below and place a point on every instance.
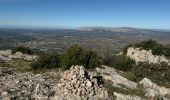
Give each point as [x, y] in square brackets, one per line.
[79, 84]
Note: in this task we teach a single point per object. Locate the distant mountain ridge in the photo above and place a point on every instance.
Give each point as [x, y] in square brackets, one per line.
[122, 29]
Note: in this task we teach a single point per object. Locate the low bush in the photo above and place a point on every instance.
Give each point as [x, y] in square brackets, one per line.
[76, 55]
[120, 62]
[46, 61]
[124, 63]
[24, 50]
[109, 60]
[158, 73]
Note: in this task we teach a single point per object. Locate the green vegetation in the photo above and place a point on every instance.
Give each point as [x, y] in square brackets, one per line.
[157, 49]
[120, 62]
[124, 63]
[24, 50]
[158, 73]
[75, 55]
[46, 61]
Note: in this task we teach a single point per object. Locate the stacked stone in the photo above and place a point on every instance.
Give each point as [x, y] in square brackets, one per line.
[79, 83]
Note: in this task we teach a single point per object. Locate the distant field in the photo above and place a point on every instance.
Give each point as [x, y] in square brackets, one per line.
[101, 40]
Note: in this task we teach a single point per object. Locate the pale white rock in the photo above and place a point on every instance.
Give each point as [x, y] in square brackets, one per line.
[82, 72]
[6, 55]
[40, 97]
[111, 74]
[120, 96]
[89, 83]
[79, 86]
[120, 53]
[4, 93]
[145, 56]
[153, 89]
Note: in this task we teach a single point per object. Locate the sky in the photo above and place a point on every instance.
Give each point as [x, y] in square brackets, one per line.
[153, 14]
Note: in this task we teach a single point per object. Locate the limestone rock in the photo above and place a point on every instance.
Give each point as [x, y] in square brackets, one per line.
[25, 86]
[126, 97]
[109, 73]
[6, 55]
[145, 56]
[152, 89]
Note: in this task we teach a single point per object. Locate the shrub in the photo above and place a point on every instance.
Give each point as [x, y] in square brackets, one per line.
[120, 62]
[158, 73]
[24, 50]
[146, 45]
[76, 55]
[158, 50]
[46, 61]
[124, 63]
[108, 60]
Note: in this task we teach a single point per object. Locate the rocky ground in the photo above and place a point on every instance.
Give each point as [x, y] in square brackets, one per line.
[129, 90]
[77, 83]
[6, 55]
[26, 86]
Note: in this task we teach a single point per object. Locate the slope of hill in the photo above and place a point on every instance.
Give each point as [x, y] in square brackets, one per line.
[53, 81]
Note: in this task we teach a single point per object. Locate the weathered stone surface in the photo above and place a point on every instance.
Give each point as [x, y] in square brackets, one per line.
[120, 96]
[152, 89]
[78, 84]
[25, 86]
[145, 56]
[6, 55]
[109, 73]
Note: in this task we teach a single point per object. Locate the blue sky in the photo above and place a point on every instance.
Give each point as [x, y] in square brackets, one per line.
[80, 13]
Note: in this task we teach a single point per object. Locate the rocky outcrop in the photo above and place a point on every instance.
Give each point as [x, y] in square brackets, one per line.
[6, 55]
[145, 56]
[25, 86]
[152, 89]
[111, 74]
[119, 96]
[78, 84]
